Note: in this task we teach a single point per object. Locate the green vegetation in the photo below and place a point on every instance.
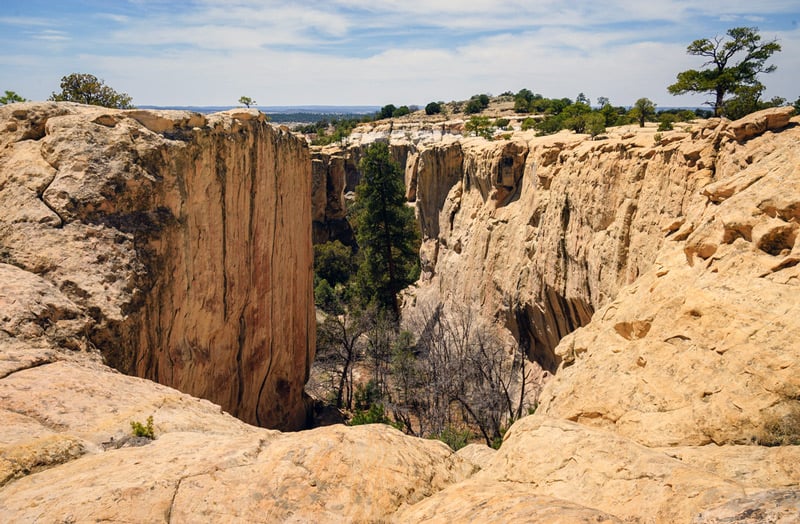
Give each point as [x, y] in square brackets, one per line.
[330, 131]
[11, 97]
[333, 262]
[726, 75]
[143, 430]
[455, 438]
[643, 110]
[247, 101]
[665, 121]
[87, 89]
[476, 104]
[386, 230]
[401, 111]
[386, 112]
[433, 108]
[479, 126]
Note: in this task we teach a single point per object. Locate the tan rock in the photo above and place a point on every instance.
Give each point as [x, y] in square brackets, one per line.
[757, 123]
[574, 468]
[478, 454]
[63, 457]
[774, 506]
[183, 242]
[499, 502]
[702, 315]
[754, 467]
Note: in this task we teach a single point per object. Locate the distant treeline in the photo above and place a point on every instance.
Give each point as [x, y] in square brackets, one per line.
[310, 118]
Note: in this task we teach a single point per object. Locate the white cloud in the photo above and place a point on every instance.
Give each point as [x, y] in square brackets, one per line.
[376, 52]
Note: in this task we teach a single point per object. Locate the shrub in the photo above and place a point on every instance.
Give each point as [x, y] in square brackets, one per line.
[595, 124]
[376, 414]
[473, 106]
[401, 111]
[665, 121]
[454, 438]
[387, 111]
[782, 430]
[333, 261]
[146, 430]
[528, 123]
[502, 123]
[480, 126]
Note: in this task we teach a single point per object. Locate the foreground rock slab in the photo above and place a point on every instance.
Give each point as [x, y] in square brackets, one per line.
[66, 455]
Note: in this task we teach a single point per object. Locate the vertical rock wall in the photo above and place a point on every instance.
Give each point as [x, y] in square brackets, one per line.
[539, 232]
[184, 239]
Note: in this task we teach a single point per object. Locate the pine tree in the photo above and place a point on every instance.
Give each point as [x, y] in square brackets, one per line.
[386, 230]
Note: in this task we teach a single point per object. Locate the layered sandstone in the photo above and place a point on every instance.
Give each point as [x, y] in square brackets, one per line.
[177, 245]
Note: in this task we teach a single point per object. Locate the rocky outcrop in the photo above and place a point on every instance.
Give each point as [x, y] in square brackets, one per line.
[559, 471]
[541, 232]
[178, 245]
[66, 455]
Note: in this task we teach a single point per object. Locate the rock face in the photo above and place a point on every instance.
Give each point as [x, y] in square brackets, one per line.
[542, 232]
[558, 471]
[66, 455]
[176, 244]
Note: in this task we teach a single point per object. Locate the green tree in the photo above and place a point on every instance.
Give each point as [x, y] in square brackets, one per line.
[665, 121]
[434, 108]
[480, 125]
[522, 100]
[574, 116]
[643, 110]
[387, 111]
[333, 261]
[747, 99]
[473, 106]
[595, 123]
[87, 89]
[247, 101]
[725, 75]
[386, 230]
[10, 97]
[401, 111]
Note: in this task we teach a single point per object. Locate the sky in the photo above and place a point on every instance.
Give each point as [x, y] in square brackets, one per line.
[376, 52]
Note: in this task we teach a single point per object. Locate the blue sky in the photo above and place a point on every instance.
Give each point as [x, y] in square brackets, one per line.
[375, 52]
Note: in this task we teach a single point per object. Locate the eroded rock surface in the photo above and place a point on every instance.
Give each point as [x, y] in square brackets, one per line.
[65, 456]
[176, 244]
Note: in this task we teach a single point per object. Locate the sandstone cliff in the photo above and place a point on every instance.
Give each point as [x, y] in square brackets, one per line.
[702, 223]
[177, 245]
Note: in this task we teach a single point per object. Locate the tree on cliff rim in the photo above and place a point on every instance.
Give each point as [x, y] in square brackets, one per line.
[386, 230]
[85, 88]
[722, 78]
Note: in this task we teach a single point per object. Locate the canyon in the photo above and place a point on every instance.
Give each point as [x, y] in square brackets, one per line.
[655, 278]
